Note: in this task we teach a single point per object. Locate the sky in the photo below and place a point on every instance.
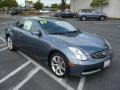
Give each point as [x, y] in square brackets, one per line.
[46, 2]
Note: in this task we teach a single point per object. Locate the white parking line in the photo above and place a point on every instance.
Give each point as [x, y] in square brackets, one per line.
[81, 83]
[2, 39]
[14, 72]
[1, 35]
[62, 83]
[3, 49]
[2, 45]
[64, 80]
[30, 75]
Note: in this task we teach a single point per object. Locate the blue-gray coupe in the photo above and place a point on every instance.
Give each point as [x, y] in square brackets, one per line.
[66, 49]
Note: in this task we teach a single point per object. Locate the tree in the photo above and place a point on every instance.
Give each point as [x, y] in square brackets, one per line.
[1, 1]
[55, 5]
[38, 5]
[67, 6]
[47, 7]
[63, 5]
[29, 2]
[9, 3]
[99, 3]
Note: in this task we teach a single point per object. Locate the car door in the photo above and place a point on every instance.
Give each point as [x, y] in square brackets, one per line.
[94, 14]
[89, 13]
[68, 14]
[33, 43]
[17, 32]
[25, 30]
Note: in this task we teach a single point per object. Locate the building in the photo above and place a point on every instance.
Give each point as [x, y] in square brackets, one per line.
[112, 10]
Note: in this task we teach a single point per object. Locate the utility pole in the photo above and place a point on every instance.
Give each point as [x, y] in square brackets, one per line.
[25, 4]
[101, 5]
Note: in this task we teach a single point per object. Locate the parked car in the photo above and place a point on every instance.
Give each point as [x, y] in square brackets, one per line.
[65, 14]
[85, 14]
[44, 11]
[66, 49]
[15, 11]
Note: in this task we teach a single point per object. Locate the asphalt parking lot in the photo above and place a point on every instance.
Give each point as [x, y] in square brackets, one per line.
[21, 71]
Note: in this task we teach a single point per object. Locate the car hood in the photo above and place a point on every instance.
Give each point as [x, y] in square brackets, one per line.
[84, 41]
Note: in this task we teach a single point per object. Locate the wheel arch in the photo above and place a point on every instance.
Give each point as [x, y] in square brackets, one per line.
[55, 51]
[7, 35]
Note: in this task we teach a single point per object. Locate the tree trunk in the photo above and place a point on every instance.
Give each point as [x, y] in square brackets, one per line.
[101, 6]
[63, 5]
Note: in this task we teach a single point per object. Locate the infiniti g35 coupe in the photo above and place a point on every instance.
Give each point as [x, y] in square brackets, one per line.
[66, 49]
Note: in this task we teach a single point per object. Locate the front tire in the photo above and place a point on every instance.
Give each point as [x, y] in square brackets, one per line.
[83, 18]
[59, 65]
[10, 44]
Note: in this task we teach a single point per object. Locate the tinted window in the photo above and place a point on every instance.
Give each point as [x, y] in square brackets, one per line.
[86, 11]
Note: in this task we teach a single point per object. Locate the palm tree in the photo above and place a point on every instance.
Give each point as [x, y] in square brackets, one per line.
[99, 3]
[63, 5]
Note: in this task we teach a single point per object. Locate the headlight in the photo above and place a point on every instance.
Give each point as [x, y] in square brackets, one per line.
[108, 44]
[78, 54]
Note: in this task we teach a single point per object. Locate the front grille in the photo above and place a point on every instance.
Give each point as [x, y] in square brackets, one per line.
[101, 54]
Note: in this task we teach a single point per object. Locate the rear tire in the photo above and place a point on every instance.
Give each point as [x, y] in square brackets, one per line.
[10, 44]
[59, 65]
[102, 18]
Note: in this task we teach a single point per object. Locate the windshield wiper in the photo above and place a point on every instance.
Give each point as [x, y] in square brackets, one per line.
[65, 32]
[57, 33]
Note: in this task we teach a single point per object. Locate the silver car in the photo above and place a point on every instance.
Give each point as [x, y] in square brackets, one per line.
[85, 14]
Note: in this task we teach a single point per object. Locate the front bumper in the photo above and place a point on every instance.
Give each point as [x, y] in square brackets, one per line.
[90, 66]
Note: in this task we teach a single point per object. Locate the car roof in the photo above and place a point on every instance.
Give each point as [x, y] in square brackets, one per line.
[86, 9]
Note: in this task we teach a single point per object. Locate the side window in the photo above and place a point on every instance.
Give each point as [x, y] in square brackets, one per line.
[27, 25]
[86, 11]
[35, 27]
[19, 24]
[94, 12]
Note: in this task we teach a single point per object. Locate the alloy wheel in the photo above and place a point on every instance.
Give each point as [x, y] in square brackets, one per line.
[58, 65]
[10, 43]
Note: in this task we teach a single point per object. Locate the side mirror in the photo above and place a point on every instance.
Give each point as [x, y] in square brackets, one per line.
[37, 33]
[21, 25]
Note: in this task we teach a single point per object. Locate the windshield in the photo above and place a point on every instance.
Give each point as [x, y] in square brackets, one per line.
[57, 27]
